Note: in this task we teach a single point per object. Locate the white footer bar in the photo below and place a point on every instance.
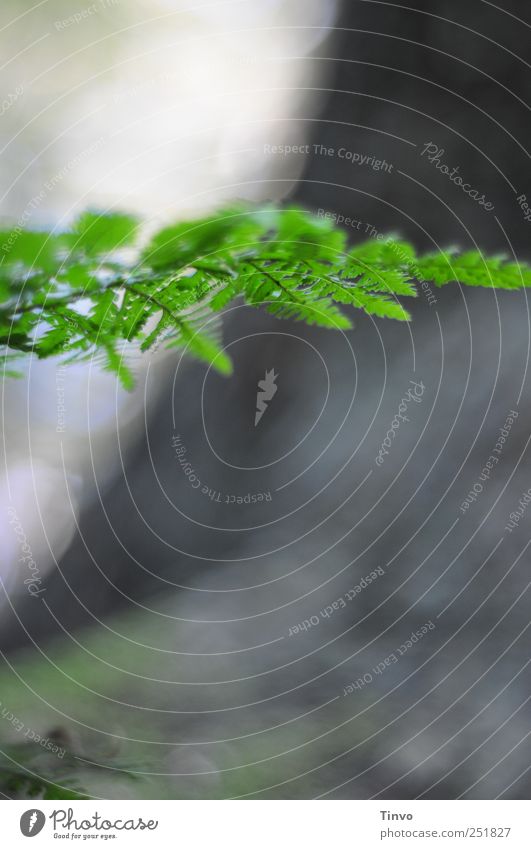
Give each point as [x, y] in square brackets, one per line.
[267, 824]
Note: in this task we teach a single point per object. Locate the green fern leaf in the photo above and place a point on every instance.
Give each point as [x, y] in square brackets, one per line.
[79, 294]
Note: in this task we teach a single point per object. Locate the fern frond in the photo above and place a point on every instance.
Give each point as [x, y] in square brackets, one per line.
[81, 294]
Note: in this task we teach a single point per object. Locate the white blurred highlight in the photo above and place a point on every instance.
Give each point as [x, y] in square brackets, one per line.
[162, 108]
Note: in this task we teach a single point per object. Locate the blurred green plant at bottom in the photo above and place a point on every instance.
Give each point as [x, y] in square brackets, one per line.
[115, 750]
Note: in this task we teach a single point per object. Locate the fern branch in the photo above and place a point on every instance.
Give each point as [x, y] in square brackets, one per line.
[79, 292]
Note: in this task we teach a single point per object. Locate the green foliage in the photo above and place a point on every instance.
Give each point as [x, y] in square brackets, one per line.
[27, 771]
[94, 289]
